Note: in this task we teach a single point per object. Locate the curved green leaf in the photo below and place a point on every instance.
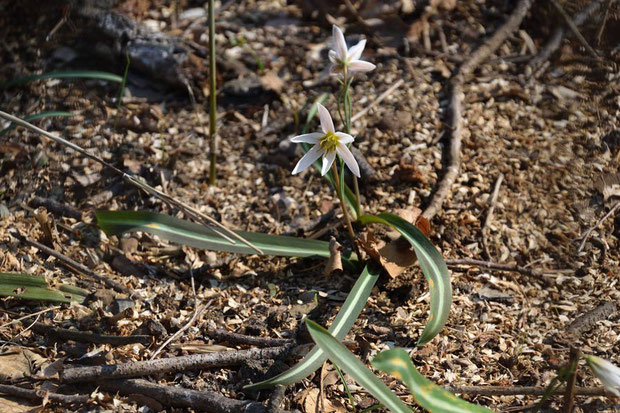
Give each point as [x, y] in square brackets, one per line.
[351, 309]
[70, 74]
[347, 361]
[199, 236]
[30, 287]
[36, 116]
[426, 393]
[433, 266]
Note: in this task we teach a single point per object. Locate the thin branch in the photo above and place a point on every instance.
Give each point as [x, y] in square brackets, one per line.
[74, 265]
[28, 316]
[524, 390]
[569, 391]
[555, 40]
[455, 119]
[169, 365]
[197, 313]
[595, 226]
[203, 400]
[489, 217]
[573, 28]
[378, 100]
[136, 181]
[39, 395]
[236, 338]
[491, 266]
[88, 337]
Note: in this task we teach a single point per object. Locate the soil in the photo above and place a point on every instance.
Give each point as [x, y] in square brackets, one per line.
[553, 135]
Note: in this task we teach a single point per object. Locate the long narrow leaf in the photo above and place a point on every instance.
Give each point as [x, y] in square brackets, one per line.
[433, 266]
[30, 287]
[426, 393]
[71, 74]
[36, 116]
[342, 357]
[351, 309]
[199, 236]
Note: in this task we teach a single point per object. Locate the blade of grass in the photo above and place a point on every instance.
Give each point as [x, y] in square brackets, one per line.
[433, 266]
[427, 394]
[42, 115]
[71, 74]
[351, 309]
[342, 357]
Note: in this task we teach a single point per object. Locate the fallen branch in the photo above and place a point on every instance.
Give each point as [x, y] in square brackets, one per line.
[524, 390]
[276, 399]
[595, 226]
[555, 40]
[590, 318]
[491, 266]
[65, 334]
[56, 207]
[455, 119]
[39, 395]
[169, 365]
[203, 400]
[74, 265]
[236, 338]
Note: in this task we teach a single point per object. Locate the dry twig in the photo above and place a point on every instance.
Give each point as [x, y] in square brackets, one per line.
[523, 390]
[573, 28]
[139, 183]
[378, 100]
[555, 40]
[203, 400]
[74, 265]
[39, 395]
[455, 120]
[168, 365]
[52, 332]
[595, 226]
[236, 338]
[489, 216]
[492, 266]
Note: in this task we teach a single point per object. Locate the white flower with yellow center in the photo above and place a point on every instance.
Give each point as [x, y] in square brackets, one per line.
[327, 144]
[608, 373]
[347, 59]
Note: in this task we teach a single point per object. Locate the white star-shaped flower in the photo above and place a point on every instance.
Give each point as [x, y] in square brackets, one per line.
[608, 373]
[326, 144]
[343, 57]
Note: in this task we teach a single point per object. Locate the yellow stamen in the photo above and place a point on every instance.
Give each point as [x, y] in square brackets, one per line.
[329, 142]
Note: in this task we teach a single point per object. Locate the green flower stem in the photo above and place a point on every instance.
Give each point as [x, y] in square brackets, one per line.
[343, 206]
[347, 124]
[212, 96]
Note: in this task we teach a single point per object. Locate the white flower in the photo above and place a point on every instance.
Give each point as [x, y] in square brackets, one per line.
[347, 58]
[327, 144]
[607, 373]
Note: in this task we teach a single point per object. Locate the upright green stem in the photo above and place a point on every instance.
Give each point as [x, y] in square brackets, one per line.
[347, 123]
[212, 96]
[343, 206]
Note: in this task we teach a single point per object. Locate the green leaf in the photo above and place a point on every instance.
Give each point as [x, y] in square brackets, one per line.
[199, 236]
[342, 357]
[351, 309]
[71, 74]
[426, 393]
[36, 116]
[433, 266]
[30, 287]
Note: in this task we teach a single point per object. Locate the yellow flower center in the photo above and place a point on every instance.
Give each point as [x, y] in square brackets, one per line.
[329, 142]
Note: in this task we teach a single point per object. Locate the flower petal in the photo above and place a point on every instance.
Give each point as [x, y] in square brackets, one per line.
[333, 56]
[308, 159]
[328, 160]
[355, 52]
[339, 43]
[348, 159]
[344, 138]
[326, 119]
[361, 66]
[307, 138]
[335, 69]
